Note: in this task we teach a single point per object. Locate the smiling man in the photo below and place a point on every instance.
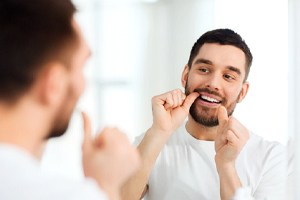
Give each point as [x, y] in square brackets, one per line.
[211, 155]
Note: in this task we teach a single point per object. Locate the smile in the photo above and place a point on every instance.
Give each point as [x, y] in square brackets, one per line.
[209, 99]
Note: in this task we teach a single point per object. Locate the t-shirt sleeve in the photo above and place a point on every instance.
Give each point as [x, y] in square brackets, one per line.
[274, 175]
[273, 182]
[274, 179]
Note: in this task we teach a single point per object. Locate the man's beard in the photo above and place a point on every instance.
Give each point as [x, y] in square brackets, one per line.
[205, 116]
[60, 125]
[58, 129]
[61, 121]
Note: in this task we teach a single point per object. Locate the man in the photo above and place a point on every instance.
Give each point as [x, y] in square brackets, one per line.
[212, 155]
[42, 53]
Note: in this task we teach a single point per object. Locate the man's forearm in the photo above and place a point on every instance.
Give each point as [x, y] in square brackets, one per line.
[149, 149]
[229, 181]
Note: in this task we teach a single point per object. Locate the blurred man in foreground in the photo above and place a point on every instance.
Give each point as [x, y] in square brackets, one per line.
[42, 57]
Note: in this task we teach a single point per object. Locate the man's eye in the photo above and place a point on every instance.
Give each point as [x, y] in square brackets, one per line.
[229, 77]
[203, 70]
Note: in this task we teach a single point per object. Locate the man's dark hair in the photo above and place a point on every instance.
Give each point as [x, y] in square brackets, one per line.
[223, 37]
[32, 33]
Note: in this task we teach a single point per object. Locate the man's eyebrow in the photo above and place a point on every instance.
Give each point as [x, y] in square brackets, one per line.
[202, 60]
[205, 61]
[234, 69]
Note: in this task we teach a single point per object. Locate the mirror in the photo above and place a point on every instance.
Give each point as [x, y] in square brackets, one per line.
[140, 48]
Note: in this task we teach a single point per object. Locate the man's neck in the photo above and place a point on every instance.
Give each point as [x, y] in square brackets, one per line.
[21, 126]
[200, 131]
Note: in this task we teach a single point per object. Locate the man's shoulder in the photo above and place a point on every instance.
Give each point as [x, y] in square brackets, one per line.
[21, 170]
[266, 149]
[51, 188]
[256, 141]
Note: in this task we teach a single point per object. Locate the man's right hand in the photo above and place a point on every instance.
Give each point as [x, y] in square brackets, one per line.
[170, 109]
[109, 158]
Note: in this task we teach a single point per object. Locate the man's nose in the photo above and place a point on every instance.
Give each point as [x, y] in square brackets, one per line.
[214, 82]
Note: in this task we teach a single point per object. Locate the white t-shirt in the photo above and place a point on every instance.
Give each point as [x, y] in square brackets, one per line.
[21, 178]
[185, 170]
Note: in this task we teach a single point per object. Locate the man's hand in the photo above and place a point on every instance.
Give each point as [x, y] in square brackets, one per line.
[109, 158]
[231, 138]
[170, 109]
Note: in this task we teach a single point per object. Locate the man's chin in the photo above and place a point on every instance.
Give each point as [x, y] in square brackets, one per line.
[55, 133]
[204, 116]
[212, 122]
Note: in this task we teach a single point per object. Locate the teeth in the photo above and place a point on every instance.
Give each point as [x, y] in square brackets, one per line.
[210, 99]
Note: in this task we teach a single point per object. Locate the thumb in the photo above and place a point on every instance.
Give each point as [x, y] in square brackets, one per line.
[87, 137]
[222, 115]
[222, 118]
[190, 100]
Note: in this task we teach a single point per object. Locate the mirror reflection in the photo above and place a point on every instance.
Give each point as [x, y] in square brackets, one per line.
[140, 48]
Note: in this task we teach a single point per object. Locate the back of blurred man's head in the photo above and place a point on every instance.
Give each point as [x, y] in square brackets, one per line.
[32, 33]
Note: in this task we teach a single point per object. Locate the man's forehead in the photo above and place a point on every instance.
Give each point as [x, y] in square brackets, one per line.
[227, 56]
[227, 53]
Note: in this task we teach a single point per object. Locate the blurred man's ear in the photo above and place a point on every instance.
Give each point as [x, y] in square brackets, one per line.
[51, 84]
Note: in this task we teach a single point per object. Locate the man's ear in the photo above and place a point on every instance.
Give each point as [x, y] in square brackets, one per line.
[243, 92]
[52, 83]
[184, 75]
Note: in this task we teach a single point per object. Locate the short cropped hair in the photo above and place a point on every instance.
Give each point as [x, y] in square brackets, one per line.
[223, 37]
[32, 33]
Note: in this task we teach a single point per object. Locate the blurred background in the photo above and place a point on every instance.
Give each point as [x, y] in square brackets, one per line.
[141, 46]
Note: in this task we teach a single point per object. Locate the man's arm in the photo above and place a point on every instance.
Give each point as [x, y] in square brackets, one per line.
[232, 137]
[169, 111]
[149, 149]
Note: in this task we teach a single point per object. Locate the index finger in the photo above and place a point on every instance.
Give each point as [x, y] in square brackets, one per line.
[189, 100]
[87, 139]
